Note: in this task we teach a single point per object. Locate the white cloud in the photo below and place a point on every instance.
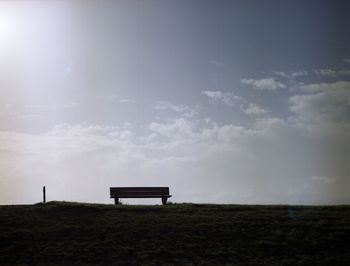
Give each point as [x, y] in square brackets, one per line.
[323, 103]
[52, 107]
[268, 159]
[325, 179]
[332, 72]
[127, 101]
[282, 74]
[264, 84]
[291, 74]
[299, 73]
[228, 133]
[227, 98]
[115, 97]
[254, 109]
[163, 105]
[207, 136]
[326, 87]
[30, 116]
[324, 113]
[272, 128]
[346, 60]
[174, 128]
[183, 110]
[200, 155]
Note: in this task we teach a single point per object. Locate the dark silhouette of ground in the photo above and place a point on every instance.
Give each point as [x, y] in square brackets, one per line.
[60, 233]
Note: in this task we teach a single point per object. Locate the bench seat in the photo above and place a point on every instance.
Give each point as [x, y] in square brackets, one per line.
[140, 192]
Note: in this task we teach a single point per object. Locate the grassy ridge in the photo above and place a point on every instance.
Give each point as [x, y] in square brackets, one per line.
[61, 233]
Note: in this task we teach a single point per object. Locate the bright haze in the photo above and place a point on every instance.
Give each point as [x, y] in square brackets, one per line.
[222, 101]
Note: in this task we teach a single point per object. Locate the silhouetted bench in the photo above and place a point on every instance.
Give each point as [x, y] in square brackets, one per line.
[140, 192]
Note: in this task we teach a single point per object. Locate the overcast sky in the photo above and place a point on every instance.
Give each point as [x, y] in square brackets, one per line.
[222, 101]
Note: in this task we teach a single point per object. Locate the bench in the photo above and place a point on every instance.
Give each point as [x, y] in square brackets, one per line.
[140, 192]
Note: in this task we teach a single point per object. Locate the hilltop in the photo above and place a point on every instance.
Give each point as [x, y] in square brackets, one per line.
[61, 233]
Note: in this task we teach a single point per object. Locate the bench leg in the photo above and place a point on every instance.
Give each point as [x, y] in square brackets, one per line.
[164, 199]
[116, 201]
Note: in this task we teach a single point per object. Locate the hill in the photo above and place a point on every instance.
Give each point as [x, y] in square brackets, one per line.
[59, 233]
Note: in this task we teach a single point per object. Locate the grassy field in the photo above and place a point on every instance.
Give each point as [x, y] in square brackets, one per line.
[60, 233]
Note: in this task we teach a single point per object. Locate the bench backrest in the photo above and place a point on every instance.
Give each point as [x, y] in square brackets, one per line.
[138, 191]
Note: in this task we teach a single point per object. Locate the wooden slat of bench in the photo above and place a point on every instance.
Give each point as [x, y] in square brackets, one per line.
[139, 191]
[141, 196]
[139, 188]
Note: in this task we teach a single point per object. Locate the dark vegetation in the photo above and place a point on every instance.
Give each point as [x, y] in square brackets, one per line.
[61, 233]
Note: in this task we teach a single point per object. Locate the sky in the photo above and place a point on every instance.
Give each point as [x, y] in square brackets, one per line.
[241, 101]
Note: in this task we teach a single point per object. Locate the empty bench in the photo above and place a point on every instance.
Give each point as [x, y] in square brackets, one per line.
[140, 192]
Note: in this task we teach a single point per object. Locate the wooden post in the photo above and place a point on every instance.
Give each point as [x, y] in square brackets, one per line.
[44, 194]
[116, 201]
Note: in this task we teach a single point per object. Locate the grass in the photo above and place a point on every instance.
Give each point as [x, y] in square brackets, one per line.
[61, 233]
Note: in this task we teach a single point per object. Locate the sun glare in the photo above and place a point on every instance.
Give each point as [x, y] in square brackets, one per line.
[7, 28]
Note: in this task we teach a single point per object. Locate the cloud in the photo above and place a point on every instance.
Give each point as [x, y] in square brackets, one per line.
[226, 98]
[291, 74]
[179, 127]
[30, 116]
[227, 133]
[264, 84]
[64, 158]
[52, 107]
[183, 110]
[254, 109]
[114, 97]
[299, 73]
[323, 104]
[163, 105]
[209, 134]
[199, 155]
[268, 151]
[267, 159]
[282, 74]
[127, 101]
[346, 60]
[332, 72]
[325, 179]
